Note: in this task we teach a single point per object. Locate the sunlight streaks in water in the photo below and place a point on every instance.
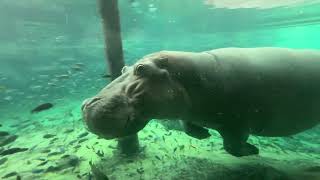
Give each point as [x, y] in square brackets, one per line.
[257, 4]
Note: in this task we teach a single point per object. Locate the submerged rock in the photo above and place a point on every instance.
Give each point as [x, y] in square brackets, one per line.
[7, 140]
[12, 151]
[97, 172]
[255, 172]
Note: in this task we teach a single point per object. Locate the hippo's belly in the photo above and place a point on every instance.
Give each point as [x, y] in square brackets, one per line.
[275, 91]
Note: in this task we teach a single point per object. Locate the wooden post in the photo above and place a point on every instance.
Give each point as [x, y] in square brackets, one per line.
[109, 12]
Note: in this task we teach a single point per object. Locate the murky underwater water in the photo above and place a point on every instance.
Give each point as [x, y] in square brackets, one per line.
[53, 52]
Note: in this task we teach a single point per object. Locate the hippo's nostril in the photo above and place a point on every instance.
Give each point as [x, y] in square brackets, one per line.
[93, 100]
[84, 103]
[89, 102]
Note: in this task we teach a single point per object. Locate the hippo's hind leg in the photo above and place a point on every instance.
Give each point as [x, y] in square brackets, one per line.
[195, 130]
[235, 141]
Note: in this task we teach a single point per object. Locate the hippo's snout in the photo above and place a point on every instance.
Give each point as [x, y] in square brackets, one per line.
[88, 110]
[109, 116]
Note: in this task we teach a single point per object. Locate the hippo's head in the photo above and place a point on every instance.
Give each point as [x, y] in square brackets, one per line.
[144, 91]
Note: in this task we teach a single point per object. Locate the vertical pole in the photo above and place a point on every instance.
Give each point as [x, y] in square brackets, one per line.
[112, 35]
[109, 13]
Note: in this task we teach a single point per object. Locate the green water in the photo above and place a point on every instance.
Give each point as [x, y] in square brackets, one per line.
[42, 40]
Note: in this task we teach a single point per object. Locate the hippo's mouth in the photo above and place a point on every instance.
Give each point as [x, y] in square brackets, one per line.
[132, 126]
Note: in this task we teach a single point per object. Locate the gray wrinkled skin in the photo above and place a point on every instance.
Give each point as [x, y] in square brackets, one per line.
[237, 91]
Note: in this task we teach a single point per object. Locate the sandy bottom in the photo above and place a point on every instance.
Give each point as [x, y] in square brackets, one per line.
[59, 147]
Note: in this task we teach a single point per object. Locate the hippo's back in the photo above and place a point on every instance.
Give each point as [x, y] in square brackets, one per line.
[277, 90]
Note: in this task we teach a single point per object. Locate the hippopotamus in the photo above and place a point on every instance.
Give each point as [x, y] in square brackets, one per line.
[265, 91]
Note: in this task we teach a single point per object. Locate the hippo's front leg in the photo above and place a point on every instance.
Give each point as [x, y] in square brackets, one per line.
[235, 141]
[195, 131]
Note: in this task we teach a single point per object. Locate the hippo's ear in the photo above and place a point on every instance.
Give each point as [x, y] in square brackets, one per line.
[124, 69]
[162, 62]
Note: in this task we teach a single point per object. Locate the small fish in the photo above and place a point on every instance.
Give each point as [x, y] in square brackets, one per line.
[79, 64]
[163, 138]
[10, 175]
[53, 169]
[36, 87]
[65, 156]
[100, 153]
[174, 150]
[82, 140]
[83, 135]
[37, 171]
[42, 107]
[3, 160]
[55, 153]
[45, 151]
[8, 140]
[63, 76]
[77, 67]
[53, 140]
[106, 76]
[140, 170]
[72, 142]
[13, 151]
[52, 84]
[168, 134]
[4, 133]
[8, 98]
[68, 131]
[157, 157]
[43, 163]
[41, 159]
[47, 136]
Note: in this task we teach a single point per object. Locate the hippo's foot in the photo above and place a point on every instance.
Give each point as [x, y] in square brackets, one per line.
[245, 149]
[234, 142]
[195, 130]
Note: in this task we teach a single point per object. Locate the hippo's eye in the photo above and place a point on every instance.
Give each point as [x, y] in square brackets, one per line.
[140, 70]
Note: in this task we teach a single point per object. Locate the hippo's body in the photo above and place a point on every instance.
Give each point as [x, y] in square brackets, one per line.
[237, 91]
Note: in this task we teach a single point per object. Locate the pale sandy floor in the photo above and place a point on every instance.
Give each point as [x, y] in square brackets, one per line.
[168, 154]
